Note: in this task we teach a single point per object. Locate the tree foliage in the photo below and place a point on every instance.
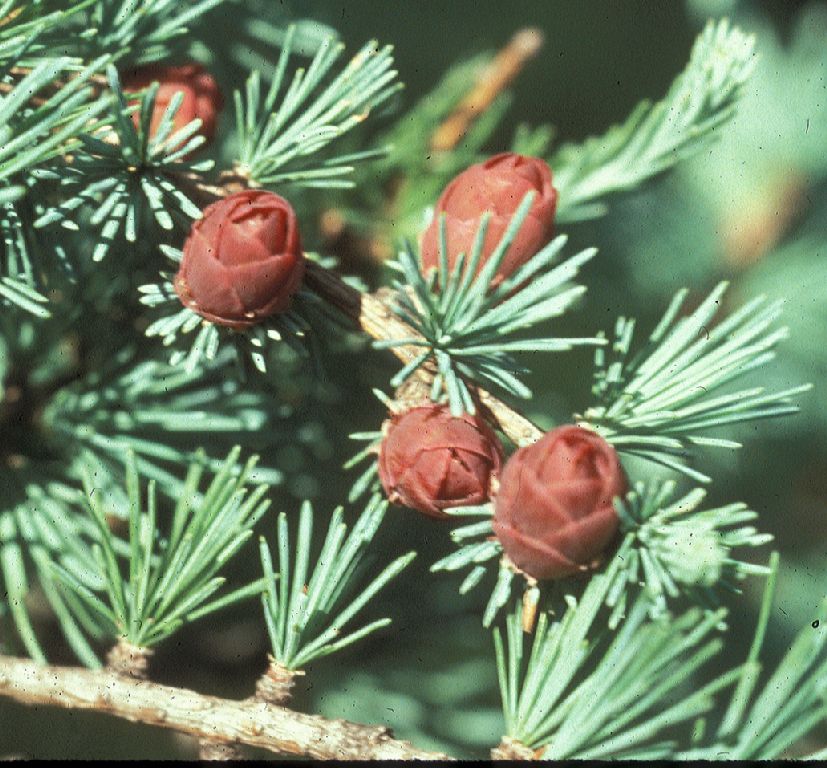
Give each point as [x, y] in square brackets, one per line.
[124, 502]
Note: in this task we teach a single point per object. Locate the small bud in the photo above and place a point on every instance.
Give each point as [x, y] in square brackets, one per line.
[430, 460]
[499, 186]
[202, 97]
[554, 512]
[242, 261]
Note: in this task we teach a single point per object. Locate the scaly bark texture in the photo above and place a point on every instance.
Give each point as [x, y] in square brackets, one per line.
[371, 312]
[129, 660]
[276, 684]
[208, 718]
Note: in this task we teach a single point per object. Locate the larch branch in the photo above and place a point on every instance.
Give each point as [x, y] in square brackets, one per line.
[208, 718]
[372, 313]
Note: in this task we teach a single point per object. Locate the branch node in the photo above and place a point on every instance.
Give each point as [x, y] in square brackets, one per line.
[511, 749]
[275, 686]
[129, 660]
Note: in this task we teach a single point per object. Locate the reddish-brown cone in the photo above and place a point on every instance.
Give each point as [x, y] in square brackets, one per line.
[430, 460]
[202, 98]
[498, 185]
[553, 513]
[242, 261]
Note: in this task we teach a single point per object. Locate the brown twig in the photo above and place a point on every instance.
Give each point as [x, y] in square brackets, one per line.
[11, 16]
[372, 313]
[208, 718]
[494, 79]
[211, 750]
[132, 661]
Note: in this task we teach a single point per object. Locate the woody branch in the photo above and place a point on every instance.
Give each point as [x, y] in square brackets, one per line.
[372, 313]
[207, 718]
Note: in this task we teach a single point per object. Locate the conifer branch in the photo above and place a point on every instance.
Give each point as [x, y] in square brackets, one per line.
[124, 171]
[208, 718]
[308, 612]
[655, 137]
[658, 401]
[372, 313]
[169, 580]
[584, 692]
[279, 130]
[471, 326]
[39, 123]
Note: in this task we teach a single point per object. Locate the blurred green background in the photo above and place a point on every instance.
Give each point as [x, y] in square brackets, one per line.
[751, 209]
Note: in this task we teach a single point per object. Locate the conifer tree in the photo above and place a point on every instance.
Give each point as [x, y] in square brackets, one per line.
[270, 335]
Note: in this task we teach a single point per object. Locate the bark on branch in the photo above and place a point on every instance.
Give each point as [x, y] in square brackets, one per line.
[207, 718]
[372, 313]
